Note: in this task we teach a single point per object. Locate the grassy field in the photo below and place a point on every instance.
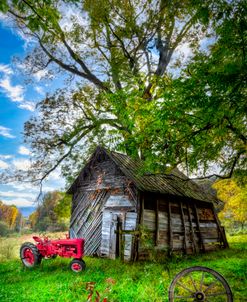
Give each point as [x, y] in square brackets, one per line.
[116, 281]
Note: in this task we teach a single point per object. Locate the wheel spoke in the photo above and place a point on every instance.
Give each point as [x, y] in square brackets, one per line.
[210, 286]
[186, 288]
[183, 297]
[216, 294]
[201, 281]
[192, 280]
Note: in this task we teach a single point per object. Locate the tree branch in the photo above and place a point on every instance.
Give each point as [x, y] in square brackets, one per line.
[89, 75]
[236, 131]
[125, 51]
[71, 69]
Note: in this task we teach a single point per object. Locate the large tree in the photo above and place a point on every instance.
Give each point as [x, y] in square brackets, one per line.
[122, 66]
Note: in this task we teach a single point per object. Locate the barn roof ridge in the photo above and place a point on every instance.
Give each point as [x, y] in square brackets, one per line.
[175, 183]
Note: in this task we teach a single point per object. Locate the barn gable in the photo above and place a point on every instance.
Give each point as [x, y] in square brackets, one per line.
[99, 172]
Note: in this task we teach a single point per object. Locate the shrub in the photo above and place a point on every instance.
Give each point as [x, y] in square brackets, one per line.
[57, 227]
[4, 230]
[7, 249]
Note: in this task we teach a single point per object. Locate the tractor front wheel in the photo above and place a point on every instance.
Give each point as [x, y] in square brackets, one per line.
[77, 265]
[30, 255]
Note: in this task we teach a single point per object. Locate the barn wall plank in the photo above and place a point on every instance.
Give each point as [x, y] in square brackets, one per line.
[86, 220]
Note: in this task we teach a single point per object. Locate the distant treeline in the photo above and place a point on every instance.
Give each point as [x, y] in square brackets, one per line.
[10, 219]
[52, 214]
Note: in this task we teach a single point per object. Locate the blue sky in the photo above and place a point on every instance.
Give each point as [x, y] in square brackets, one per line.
[17, 105]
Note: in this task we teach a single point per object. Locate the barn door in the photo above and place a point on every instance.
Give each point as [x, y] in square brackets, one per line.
[129, 239]
[113, 242]
[109, 239]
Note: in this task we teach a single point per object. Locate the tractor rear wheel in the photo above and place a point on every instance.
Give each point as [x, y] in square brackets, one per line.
[30, 255]
[77, 265]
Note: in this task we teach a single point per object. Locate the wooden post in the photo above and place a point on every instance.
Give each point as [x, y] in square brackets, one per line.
[184, 226]
[139, 211]
[113, 237]
[192, 230]
[222, 237]
[199, 229]
[120, 240]
[132, 252]
[138, 207]
[157, 223]
[142, 209]
[170, 227]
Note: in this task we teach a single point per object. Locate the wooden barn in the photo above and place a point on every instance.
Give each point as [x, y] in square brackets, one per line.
[121, 211]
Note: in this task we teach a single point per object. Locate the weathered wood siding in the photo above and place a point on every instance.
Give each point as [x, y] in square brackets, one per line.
[103, 173]
[107, 210]
[111, 233]
[86, 219]
[178, 225]
[104, 195]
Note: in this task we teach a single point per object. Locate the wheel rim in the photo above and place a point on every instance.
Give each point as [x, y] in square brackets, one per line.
[28, 257]
[76, 267]
[199, 284]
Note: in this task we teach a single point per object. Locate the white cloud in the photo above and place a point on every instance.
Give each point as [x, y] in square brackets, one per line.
[3, 16]
[23, 150]
[4, 131]
[21, 164]
[18, 195]
[21, 202]
[23, 187]
[48, 188]
[41, 74]
[27, 105]
[6, 69]
[5, 156]
[8, 22]
[55, 175]
[14, 92]
[3, 165]
[39, 89]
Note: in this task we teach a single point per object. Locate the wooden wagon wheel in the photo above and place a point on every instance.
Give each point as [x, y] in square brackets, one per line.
[199, 283]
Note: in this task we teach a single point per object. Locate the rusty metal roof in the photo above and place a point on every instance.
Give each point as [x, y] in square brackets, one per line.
[174, 183]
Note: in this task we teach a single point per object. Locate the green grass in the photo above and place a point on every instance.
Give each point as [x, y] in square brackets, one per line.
[116, 281]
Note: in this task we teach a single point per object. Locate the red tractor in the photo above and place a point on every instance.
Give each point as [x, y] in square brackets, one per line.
[31, 254]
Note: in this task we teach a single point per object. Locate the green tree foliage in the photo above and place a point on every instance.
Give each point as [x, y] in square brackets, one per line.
[63, 207]
[131, 91]
[234, 213]
[52, 214]
[209, 121]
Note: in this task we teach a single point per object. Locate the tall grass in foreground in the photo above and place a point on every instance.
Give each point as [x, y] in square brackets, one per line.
[114, 280]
